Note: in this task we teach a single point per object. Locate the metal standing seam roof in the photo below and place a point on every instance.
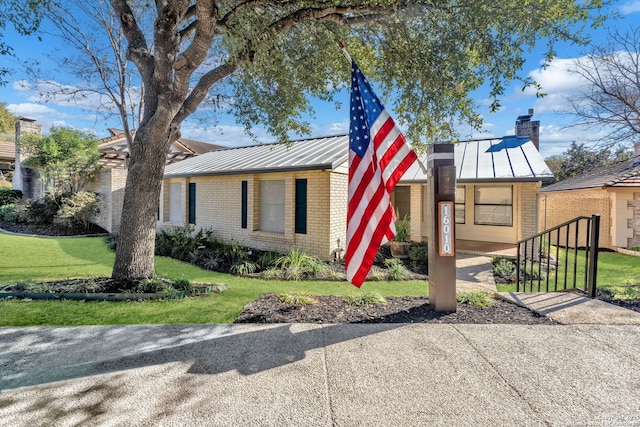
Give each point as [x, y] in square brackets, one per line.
[508, 159]
[307, 154]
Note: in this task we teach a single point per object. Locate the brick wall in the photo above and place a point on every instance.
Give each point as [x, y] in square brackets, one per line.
[339, 183]
[110, 184]
[560, 206]
[528, 204]
[219, 203]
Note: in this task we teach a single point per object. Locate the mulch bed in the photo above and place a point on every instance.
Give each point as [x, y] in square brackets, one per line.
[332, 309]
[50, 230]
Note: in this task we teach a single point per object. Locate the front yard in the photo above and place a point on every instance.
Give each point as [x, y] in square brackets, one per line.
[41, 259]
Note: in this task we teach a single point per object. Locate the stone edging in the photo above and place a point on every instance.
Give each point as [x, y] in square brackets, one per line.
[628, 252]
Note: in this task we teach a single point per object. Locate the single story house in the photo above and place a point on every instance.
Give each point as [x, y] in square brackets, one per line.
[277, 196]
[612, 191]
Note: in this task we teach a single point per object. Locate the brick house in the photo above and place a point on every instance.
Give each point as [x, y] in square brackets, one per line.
[612, 191]
[276, 197]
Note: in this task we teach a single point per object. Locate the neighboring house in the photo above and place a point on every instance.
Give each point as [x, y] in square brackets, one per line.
[7, 159]
[111, 179]
[278, 196]
[612, 191]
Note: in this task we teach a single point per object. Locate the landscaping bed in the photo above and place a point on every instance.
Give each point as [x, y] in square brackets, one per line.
[333, 309]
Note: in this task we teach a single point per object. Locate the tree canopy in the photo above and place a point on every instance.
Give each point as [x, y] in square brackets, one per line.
[7, 120]
[262, 60]
[66, 158]
[579, 159]
[25, 17]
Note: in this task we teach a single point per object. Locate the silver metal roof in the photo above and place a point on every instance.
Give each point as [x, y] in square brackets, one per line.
[307, 154]
[509, 159]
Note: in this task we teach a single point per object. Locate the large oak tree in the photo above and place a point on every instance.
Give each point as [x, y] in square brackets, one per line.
[262, 59]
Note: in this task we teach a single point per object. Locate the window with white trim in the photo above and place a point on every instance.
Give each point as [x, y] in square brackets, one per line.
[493, 205]
[272, 205]
[461, 193]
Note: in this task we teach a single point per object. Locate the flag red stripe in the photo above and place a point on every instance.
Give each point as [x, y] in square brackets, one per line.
[372, 249]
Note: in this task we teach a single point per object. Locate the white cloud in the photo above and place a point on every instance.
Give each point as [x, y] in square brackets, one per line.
[35, 111]
[339, 127]
[630, 7]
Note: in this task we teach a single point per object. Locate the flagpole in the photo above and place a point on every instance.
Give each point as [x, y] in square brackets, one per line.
[344, 52]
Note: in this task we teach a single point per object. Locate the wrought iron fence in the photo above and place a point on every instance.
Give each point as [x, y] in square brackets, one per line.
[564, 257]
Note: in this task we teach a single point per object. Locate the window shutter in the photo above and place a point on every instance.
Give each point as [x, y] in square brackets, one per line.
[192, 203]
[301, 206]
[244, 205]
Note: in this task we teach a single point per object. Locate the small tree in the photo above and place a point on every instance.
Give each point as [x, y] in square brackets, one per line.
[66, 158]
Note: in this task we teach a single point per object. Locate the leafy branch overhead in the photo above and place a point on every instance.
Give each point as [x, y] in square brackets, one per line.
[428, 56]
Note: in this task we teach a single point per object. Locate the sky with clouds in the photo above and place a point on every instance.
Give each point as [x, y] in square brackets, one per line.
[23, 99]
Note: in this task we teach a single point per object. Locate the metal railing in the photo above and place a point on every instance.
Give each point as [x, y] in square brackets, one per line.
[569, 240]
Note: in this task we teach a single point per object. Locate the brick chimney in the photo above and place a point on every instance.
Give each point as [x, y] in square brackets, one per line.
[26, 179]
[526, 127]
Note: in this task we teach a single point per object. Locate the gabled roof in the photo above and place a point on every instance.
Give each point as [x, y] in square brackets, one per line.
[623, 174]
[511, 158]
[508, 159]
[306, 154]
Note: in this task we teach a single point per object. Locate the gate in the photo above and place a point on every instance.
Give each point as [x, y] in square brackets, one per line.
[561, 258]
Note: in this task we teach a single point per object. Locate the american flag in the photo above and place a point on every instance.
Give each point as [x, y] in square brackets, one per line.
[378, 157]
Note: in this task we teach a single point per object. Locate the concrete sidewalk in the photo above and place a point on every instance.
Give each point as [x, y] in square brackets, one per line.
[320, 375]
[474, 272]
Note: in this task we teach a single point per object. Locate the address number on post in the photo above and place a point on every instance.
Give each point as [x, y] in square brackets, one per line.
[445, 224]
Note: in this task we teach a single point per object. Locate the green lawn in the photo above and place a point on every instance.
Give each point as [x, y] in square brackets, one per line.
[617, 273]
[39, 259]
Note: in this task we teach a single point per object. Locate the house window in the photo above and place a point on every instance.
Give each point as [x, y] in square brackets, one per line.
[243, 209]
[493, 205]
[192, 203]
[460, 206]
[175, 202]
[402, 201]
[272, 206]
[301, 206]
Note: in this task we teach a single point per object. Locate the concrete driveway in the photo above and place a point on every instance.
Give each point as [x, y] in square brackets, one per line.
[320, 375]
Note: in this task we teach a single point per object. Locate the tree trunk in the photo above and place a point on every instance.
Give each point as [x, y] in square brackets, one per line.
[136, 240]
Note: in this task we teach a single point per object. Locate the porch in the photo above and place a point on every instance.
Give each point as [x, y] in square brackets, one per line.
[474, 247]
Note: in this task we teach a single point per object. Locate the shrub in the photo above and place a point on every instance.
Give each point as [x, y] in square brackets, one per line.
[396, 269]
[40, 211]
[475, 298]
[153, 285]
[504, 268]
[79, 209]
[297, 299]
[8, 213]
[183, 285]
[9, 196]
[297, 264]
[365, 299]
[111, 240]
[419, 252]
[244, 267]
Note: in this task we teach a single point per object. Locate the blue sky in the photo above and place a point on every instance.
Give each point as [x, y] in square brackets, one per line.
[556, 80]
